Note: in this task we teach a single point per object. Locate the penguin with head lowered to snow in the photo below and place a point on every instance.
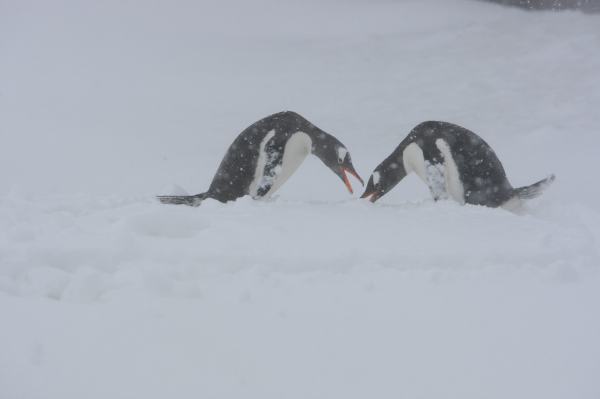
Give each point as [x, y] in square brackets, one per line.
[266, 154]
[454, 163]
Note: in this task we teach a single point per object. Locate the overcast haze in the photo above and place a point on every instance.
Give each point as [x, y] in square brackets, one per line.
[105, 293]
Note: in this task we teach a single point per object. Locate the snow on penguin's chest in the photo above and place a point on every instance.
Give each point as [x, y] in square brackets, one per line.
[443, 179]
[295, 151]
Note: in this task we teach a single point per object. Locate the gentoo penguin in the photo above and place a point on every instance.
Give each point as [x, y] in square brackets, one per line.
[454, 163]
[266, 154]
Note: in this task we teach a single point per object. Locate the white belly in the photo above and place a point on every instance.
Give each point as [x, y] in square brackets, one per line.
[443, 180]
[454, 185]
[430, 174]
[295, 152]
[413, 160]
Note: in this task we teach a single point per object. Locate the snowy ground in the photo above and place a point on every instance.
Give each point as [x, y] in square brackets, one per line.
[106, 294]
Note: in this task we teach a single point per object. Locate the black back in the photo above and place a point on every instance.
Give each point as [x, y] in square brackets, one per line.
[481, 172]
[236, 171]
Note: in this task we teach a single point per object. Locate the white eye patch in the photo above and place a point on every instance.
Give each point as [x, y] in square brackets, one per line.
[342, 153]
[376, 177]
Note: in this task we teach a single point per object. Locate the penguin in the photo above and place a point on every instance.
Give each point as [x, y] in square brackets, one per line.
[263, 157]
[456, 164]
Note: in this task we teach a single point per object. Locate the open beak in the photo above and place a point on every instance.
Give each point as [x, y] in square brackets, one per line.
[353, 173]
[344, 177]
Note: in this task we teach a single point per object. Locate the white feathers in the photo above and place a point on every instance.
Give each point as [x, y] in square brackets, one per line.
[295, 151]
[413, 160]
[342, 153]
[376, 177]
[260, 165]
[454, 184]
[436, 180]
[443, 179]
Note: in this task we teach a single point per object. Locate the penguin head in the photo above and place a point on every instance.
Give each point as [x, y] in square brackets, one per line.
[336, 157]
[384, 178]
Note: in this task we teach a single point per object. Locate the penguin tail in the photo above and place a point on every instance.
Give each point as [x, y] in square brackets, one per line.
[190, 200]
[534, 190]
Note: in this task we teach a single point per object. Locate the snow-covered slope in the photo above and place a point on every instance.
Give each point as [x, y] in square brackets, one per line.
[106, 293]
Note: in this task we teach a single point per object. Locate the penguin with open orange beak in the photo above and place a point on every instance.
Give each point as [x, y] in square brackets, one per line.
[263, 157]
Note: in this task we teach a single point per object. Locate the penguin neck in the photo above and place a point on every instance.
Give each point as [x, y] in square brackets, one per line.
[393, 167]
[321, 142]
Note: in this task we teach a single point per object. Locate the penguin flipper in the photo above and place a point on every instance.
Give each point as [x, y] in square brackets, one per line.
[190, 200]
[534, 190]
[274, 150]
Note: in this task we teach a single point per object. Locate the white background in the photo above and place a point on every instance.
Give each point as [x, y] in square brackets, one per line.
[106, 294]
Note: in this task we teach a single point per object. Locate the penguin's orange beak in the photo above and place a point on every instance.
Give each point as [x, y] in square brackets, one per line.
[351, 171]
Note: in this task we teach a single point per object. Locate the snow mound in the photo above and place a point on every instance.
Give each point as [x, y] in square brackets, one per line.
[59, 251]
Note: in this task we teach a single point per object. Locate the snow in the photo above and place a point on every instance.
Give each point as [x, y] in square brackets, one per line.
[106, 293]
